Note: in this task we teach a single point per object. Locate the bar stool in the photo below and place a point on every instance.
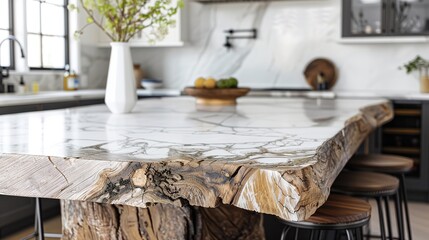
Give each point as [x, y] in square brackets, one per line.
[372, 185]
[39, 232]
[390, 164]
[339, 213]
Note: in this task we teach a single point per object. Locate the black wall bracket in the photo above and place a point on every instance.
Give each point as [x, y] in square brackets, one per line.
[253, 33]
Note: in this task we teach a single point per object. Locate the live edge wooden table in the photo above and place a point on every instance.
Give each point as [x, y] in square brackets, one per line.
[174, 170]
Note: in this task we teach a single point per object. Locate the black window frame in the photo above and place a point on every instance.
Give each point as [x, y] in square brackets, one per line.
[387, 22]
[66, 37]
[11, 31]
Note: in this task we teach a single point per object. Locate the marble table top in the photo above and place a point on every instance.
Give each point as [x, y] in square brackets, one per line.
[67, 154]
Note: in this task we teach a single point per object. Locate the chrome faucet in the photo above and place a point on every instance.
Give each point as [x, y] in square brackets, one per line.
[6, 75]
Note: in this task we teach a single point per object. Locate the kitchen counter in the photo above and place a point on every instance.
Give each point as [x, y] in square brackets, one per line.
[392, 95]
[268, 155]
[62, 96]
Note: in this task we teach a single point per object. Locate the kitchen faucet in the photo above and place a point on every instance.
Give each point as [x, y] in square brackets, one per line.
[5, 75]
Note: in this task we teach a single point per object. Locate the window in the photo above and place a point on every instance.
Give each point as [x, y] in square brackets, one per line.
[47, 34]
[6, 56]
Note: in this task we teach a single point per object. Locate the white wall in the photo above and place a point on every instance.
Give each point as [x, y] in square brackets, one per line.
[290, 35]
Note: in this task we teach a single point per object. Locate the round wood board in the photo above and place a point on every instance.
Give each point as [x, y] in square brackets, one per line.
[317, 66]
[216, 96]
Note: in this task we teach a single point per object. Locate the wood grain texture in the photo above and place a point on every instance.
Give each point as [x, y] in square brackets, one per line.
[169, 171]
[87, 220]
[381, 163]
[364, 182]
[290, 184]
[341, 209]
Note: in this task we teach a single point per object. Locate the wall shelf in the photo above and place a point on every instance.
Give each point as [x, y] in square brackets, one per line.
[383, 40]
[401, 131]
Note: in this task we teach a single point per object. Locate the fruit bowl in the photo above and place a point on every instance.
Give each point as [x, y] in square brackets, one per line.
[216, 96]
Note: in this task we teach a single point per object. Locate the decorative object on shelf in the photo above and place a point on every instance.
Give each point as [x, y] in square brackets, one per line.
[151, 84]
[216, 96]
[138, 74]
[121, 20]
[422, 65]
[230, 36]
[321, 74]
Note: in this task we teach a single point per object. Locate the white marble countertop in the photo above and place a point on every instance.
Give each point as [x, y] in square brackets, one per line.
[79, 132]
[57, 96]
[292, 148]
[392, 95]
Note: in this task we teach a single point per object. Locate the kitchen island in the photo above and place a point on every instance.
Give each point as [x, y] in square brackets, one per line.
[173, 170]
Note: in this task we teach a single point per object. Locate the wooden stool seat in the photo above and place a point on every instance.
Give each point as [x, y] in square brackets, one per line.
[341, 209]
[381, 163]
[366, 183]
[338, 213]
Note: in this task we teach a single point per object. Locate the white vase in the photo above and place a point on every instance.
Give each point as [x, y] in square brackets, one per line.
[121, 96]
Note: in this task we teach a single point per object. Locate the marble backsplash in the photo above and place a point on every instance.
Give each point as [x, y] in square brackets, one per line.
[290, 34]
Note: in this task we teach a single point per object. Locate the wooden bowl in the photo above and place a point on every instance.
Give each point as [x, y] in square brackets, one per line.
[216, 96]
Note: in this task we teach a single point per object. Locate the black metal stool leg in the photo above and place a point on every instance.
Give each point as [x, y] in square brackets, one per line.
[34, 233]
[359, 234]
[322, 235]
[388, 221]
[381, 218]
[40, 231]
[296, 233]
[349, 234]
[284, 232]
[311, 234]
[399, 217]
[405, 198]
[38, 224]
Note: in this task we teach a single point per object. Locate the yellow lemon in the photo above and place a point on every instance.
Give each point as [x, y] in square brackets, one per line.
[210, 83]
[199, 82]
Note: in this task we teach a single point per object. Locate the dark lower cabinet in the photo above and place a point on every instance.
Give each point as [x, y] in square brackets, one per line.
[408, 135]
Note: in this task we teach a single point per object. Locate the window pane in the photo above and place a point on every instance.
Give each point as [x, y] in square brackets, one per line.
[4, 14]
[33, 16]
[5, 50]
[52, 19]
[53, 52]
[33, 50]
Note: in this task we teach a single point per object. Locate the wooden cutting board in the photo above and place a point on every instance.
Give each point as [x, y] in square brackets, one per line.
[317, 66]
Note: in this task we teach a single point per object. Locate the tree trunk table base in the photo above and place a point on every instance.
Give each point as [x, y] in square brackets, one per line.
[88, 220]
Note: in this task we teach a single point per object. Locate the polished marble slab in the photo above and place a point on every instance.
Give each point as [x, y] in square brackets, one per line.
[208, 153]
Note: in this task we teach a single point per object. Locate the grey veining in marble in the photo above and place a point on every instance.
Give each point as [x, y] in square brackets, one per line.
[258, 131]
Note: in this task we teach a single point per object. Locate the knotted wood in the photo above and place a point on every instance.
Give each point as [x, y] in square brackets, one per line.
[87, 220]
[173, 161]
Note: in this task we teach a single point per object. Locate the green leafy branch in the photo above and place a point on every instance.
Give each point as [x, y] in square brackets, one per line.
[416, 64]
[121, 20]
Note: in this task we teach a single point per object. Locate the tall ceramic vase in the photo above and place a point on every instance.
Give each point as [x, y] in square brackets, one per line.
[121, 96]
